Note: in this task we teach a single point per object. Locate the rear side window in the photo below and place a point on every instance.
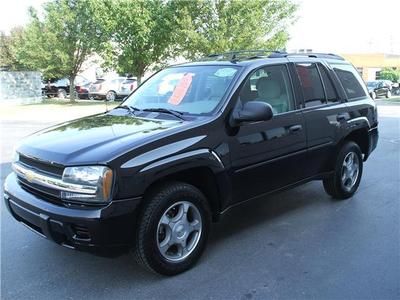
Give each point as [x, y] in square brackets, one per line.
[311, 84]
[350, 80]
[330, 91]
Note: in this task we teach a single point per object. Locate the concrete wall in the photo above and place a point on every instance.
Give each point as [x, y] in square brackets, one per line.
[20, 87]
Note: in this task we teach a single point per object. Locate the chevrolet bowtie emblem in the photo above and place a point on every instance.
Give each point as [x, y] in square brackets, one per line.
[29, 175]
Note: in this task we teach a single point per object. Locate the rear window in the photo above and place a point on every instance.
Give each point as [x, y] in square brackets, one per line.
[98, 81]
[311, 84]
[351, 81]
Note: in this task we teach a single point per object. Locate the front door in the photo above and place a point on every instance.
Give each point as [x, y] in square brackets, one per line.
[268, 155]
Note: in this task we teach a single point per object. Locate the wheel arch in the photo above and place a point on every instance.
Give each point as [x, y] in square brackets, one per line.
[361, 138]
[201, 177]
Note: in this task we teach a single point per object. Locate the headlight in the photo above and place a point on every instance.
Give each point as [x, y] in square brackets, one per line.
[99, 177]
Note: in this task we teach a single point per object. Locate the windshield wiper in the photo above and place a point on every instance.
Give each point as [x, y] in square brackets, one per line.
[175, 113]
[131, 109]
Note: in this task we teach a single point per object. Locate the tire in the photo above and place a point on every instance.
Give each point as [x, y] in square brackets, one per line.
[62, 94]
[91, 97]
[111, 96]
[161, 233]
[345, 180]
[388, 94]
[373, 95]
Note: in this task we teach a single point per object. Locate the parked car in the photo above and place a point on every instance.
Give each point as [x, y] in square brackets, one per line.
[379, 88]
[82, 90]
[108, 89]
[128, 86]
[56, 88]
[395, 89]
[189, 144]
[60, 87]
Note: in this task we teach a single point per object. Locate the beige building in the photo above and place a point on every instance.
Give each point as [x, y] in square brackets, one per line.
[370, 64]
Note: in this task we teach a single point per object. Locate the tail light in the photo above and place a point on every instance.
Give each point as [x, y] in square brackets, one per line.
[99, 87]
[131, 87]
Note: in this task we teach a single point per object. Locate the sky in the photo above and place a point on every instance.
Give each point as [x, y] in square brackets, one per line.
[347, 26]
[339, 26]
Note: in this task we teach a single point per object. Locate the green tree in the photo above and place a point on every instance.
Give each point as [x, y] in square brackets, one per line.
[58, 44]
[8, 49]
[215, 26]
[390, 74]
[143, 34]
[148, 33]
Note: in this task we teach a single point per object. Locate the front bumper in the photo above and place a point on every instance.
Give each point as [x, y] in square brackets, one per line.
[82, 228]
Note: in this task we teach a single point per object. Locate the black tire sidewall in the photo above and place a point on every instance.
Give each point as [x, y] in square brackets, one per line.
[340, 191]
[167, 197]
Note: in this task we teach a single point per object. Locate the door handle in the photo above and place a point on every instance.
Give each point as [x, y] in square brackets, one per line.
[295, 128]
[341, 117]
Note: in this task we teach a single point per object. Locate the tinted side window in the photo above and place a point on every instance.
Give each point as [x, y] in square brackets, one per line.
[311, 84]
[270, 84]
[350, 80]
[330, 91]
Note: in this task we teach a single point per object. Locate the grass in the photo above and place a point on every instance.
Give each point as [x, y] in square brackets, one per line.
[67, 102]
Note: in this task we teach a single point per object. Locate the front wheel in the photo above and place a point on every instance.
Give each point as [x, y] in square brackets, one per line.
[373, 95]
[173, 229]
[347, 173]
[388, 94]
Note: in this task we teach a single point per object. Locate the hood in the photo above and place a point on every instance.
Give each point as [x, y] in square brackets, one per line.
[93, 139]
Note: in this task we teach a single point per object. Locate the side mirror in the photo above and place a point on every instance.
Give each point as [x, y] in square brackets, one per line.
[252, 111]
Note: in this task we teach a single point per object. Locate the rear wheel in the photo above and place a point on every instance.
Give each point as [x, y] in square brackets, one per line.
[347, 174]
[173, 229]
[111, 96]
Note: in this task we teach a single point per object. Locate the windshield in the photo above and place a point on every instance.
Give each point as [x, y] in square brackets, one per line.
[193, 90]
[372, 83]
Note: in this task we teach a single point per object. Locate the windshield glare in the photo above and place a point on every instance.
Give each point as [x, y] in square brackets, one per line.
[193, 90]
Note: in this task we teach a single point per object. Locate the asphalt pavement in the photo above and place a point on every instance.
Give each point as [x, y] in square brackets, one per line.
[299, 244]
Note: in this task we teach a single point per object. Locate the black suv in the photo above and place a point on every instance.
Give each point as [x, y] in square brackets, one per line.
[379, 88]
[190, 143]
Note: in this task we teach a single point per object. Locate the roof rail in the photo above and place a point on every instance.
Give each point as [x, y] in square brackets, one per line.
[244, 54]
[307, 54]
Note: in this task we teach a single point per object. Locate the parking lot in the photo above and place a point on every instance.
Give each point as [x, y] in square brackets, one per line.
[298, 244]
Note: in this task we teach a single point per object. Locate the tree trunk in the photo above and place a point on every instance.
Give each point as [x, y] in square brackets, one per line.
[139, 76]
[72, 92]
[139, 79]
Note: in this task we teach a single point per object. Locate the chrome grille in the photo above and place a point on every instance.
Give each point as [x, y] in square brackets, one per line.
[46, 193]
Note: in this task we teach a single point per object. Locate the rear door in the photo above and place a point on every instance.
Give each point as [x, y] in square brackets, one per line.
[324, 112]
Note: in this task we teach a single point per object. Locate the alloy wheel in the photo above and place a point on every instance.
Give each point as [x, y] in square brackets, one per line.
[350, 171]
[179, 231]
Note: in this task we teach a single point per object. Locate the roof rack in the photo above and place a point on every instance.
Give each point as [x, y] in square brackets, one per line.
[244, 54]
[307, 54]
